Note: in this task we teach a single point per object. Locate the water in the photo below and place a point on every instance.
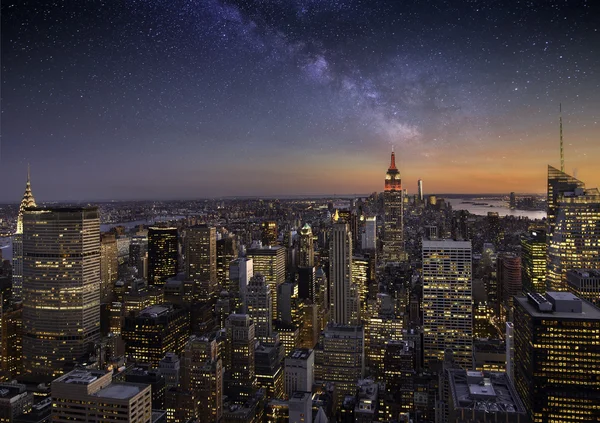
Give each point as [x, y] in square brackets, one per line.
[6, 248]
[493, 205]
[129, 225]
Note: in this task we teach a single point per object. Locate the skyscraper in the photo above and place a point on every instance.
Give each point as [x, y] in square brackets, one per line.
[157, 330]
[307, 248]
[240, 364]
[393, 206]
[162, 254]
[558, 183]
[259, 307]
[340, 358]
[533, 261]
[17, 275]
[227, 250]
[269, 233]
[201, 261]
[240, 272]
[509, 282]
[574, 240]
[108, 265]
[270, 262]
[61, 287]
[202, 376]
[340, 274]
[420, 191]
[557, 353]
[369, 236]
[447, 297]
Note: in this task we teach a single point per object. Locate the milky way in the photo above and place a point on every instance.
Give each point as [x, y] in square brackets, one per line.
[184, 99]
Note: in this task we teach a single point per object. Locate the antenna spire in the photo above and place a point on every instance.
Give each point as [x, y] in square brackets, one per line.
[562, 153]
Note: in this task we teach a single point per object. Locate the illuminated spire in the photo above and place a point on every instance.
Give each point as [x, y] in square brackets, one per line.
[393, 160]
[562, 154]
[28, 201]
[336, 216]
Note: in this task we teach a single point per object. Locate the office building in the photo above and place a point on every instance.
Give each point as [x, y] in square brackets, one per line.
[202, 377]
[575, 239]
[585, 284]
[162, 254]
[156, 331]
[147, 376]
[61, 287]
[201, 261]
[109, 265]
[240, 272]
[475, 396]
[300, 406]
[557, 351]
[533, 261]
[559, 183]
[269, 233]
[240, 365]
[509, 283]
[447, 298]
[340, 276]
[14, 401]
[17, 272]
[307, 248]
[299, 371]
[170, 368]
[306, 278]
[369, 235]
[393, 206]
[91, 396]
[399, 372]
[420, 196]
[11, 341]
[269, 369]
[138, 255]
[379, 331]
[340, 358]
[259, 307]
[227, 251]
[270, 262]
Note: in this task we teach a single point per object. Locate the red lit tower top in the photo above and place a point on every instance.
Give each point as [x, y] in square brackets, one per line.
[393, 182]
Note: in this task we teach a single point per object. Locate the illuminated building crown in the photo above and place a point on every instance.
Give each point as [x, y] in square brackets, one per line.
[393, 182]
[27, 201]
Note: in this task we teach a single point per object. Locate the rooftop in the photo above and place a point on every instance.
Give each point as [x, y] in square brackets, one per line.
[120, 390]
[81, 377]
[300, 354]
[490, 392]
[588, 310]
[584, 273]
[156, 310]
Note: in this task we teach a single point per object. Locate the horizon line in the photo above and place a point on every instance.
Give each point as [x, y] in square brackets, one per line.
[273, 197]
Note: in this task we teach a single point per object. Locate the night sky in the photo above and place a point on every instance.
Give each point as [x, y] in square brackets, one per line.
[161, 99]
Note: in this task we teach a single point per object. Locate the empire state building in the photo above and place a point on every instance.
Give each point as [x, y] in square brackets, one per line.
[393, 206]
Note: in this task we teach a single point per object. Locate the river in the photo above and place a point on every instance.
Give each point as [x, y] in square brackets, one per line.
[498, 206]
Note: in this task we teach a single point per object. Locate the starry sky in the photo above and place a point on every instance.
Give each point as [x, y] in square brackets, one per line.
[161, 99]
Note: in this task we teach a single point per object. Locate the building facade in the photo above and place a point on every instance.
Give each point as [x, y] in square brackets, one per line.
[61, 287]
[162, 254]
[447, 297]
[557, 356]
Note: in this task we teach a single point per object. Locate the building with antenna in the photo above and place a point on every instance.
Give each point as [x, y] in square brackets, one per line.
[393, 205]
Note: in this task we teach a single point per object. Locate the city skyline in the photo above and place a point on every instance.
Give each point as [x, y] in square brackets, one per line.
[203, 99]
